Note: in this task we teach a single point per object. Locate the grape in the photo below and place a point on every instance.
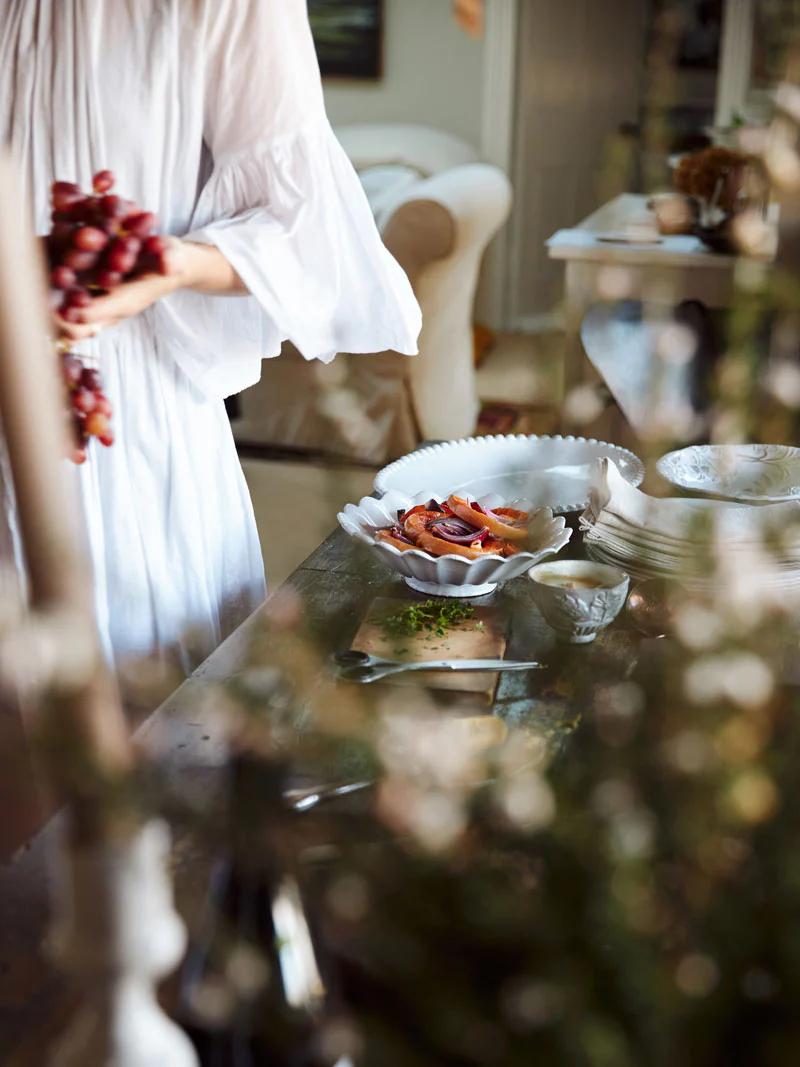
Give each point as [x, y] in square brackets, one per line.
[141, 224]
[103, 181]
[63, 278]
[70, 314]
[113, 207]
[95, 215]
[90, 239]
[77, 298]
[91, 379]
[65, 194]
[84, 400]
[103, 405]
[65, 187]
[72, 369]
[77, 260]
[97, 425]
[81, 210]
[155, 245]
[61, 234]
[106, 438]
[119, 259]
[132, 245]
[79, 455]
[108, 279]
[146, 265]
[153, 256]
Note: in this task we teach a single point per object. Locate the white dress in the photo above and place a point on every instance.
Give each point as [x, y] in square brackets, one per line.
[210, 113]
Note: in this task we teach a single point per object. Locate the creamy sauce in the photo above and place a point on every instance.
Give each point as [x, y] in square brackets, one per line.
[569, 581]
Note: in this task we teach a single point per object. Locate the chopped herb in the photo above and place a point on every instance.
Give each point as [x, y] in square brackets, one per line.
[480, 626]
[435, 616]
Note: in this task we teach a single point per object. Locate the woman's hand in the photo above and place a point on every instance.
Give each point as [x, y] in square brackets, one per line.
[128, 299]
[188, 266]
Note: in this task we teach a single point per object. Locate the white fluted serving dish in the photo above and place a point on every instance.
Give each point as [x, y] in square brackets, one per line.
[549, 471]
[451, 576]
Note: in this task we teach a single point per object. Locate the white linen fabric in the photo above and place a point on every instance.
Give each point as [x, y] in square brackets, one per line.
[210, 113]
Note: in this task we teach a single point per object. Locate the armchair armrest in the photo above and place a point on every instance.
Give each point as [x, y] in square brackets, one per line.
[475, 197]
[418, 232]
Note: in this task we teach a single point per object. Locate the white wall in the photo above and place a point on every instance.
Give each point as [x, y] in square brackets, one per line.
[579, 75]
[432, 74]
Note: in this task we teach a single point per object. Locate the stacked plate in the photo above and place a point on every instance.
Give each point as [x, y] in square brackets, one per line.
[697, 541]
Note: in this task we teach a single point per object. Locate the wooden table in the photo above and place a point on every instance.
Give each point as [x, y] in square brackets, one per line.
[334, 588]
[677, 268]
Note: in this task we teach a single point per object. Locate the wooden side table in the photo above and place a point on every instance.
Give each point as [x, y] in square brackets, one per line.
[666, 271]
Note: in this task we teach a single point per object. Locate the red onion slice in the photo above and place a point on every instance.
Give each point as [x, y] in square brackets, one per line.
[505, 519]
[458, 532]
[399, 534]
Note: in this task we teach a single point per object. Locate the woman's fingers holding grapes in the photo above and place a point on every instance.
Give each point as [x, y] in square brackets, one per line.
[73, 331]
[125, 300]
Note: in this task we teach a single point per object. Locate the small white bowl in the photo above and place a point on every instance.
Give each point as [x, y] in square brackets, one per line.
[578, 615]
[451, 576]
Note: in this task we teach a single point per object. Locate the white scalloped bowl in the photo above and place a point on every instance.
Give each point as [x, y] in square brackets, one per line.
[550, 471]
[451, 576]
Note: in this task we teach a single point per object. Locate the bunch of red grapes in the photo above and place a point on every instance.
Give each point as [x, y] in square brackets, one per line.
[90, 409]
[98, 241]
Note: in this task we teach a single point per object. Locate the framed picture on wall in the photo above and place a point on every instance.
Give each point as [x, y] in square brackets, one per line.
[349, 37]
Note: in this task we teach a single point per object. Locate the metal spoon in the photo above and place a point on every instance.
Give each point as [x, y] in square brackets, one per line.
[363, 668]
[305, 799]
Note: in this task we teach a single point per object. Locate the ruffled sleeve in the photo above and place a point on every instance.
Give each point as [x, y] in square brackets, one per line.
[285, 207]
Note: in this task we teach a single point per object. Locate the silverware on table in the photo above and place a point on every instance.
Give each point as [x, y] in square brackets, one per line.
[306, 799]
[363, 668]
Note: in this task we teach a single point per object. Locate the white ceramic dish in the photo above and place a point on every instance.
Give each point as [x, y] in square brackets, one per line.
[553, 472]
[450, 576]
[578, 615]
[752, 474]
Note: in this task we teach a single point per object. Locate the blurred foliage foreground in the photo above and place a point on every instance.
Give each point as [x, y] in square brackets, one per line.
[627, 898]
[625, 891]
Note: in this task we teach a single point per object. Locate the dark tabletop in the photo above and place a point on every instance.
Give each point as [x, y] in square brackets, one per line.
[315, 613]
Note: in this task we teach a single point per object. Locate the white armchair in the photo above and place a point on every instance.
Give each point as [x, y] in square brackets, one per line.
[437, 208]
